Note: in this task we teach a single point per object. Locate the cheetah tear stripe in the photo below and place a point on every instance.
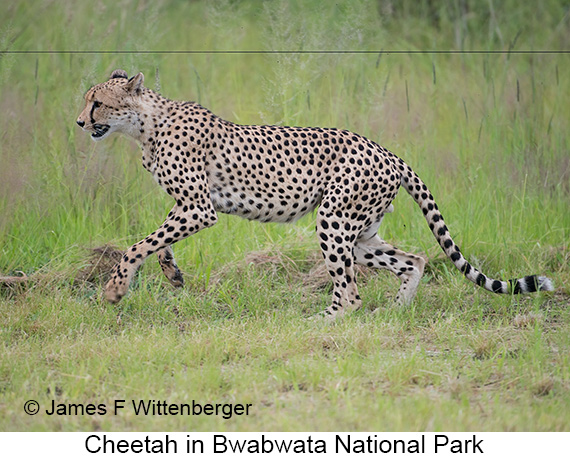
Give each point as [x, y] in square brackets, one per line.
[420, 193]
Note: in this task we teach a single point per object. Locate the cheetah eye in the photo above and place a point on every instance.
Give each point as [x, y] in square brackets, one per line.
[96, 104]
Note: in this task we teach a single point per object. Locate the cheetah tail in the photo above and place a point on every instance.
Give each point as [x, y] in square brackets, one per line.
[420, 193]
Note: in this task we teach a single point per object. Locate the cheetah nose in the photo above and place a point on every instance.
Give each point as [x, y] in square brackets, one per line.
[80, 123]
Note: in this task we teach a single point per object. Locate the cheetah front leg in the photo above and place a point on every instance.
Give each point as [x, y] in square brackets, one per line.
[183, 221]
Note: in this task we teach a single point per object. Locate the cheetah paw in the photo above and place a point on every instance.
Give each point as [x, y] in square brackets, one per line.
[114, 292]
[176, 279]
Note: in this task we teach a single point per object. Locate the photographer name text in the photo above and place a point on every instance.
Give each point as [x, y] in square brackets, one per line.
[144, 408]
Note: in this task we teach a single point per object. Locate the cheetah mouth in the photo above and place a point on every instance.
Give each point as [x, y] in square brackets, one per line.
[100, 130]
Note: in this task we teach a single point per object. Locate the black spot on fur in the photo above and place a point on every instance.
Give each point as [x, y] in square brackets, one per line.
[531, 283]
[497, 286]
[514, 285]
[466, 268]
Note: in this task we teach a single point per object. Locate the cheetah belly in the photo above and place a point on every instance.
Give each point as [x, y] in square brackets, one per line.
[273, 206]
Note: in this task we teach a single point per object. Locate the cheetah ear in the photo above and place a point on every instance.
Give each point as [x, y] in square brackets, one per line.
[135, 84]
[119, 74]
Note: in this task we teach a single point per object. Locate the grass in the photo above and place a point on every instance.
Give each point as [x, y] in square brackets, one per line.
[487, 133]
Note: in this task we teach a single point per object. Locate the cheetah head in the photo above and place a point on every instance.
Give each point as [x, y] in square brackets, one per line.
[111, 106]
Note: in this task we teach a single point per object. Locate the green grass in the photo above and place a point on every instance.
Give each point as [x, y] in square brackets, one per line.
[487, 133]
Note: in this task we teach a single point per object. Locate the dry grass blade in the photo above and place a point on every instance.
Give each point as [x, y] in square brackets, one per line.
[14, 280]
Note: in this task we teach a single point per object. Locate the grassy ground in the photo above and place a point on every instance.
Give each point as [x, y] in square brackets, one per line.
[487, 133]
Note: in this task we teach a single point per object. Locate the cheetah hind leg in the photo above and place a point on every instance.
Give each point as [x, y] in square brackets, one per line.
[409, 268]
[169, 267]
[337, 246]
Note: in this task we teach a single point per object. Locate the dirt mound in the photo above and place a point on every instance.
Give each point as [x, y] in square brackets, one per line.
[98, 267]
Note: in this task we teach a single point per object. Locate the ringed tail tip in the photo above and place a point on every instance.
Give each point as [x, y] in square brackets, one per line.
[545, 283]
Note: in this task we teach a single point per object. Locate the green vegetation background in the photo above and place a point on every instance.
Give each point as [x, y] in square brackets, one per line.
[486, 131]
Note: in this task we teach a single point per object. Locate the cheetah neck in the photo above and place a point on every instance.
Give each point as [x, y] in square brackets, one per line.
[151, 114]
[155, 116]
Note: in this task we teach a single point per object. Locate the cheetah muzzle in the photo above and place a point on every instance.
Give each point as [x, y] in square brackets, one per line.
[271, 174]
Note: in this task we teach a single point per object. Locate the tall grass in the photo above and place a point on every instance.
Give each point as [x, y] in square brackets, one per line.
[487, 133]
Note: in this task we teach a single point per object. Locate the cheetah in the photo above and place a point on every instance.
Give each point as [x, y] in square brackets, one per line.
[271, 174]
